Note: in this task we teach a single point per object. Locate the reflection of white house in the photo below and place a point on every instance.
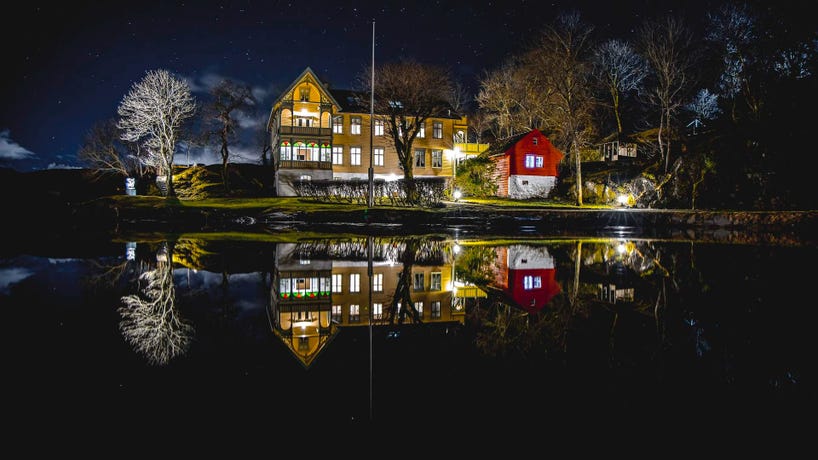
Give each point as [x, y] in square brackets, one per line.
[525, 166]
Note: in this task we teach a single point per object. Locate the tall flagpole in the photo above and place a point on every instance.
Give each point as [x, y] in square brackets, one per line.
[370, 199]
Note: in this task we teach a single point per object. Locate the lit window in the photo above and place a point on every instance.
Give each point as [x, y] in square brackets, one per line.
[304, 93]
[377, 282]
[338, 125]
[337, 154]
[336, 313]
[435, 307]
[354, 282]
[419, 308]
[355, 156]
[337, 282]
[420, 158]
[378, 156]
[436, 282]
[532, 282]
[437, 130]
[305, 178]
[422, 131]
[379, 127]
[539, 161]
[437, 158]
[355, 125]
[418, 282]
[529, 160]
[377, 311]
[354, 313]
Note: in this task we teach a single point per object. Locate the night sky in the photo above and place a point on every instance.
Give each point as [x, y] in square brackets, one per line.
[68, 67]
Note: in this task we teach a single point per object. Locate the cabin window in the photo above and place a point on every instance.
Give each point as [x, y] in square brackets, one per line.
[525, 182]
[539, 161]
[529, 160]
[355, 156]
[534, 140]
[437, 158]
[355, 125]
[379, 127]
[437, 130]
[532, 282]
[378, 156]
[338, 125]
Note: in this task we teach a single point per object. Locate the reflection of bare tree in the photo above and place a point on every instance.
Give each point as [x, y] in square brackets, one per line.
[150, 322]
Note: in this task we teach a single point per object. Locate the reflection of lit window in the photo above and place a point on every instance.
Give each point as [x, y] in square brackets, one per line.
[354, 313]
[354, 282]
[419, 308]
[336, 313]
[377, 311]
[377, 282]
[532, 282]
[436, 282]
[436, 309]
[337, 282]
[418, 282]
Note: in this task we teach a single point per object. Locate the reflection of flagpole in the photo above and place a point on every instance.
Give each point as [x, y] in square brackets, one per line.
[369, 251]
[370, 199]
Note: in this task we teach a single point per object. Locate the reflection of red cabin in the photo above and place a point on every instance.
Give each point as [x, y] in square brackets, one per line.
[525, 165]
[526, 274]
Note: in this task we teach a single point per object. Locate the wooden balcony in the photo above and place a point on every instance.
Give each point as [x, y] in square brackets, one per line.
[298, 164]
[304, 131]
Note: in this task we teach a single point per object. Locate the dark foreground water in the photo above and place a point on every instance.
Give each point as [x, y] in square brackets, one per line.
[431, 331]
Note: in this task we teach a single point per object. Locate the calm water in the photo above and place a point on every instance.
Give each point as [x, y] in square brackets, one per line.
[438, 329]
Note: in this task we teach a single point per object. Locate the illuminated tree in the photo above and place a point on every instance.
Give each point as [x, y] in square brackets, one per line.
[666, 46]
[153, 114]
[150, 322]
[621, 70]
[562, 62]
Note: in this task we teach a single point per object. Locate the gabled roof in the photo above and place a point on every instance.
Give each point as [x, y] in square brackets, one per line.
[307, 73]
[505, 144]
[351, 101]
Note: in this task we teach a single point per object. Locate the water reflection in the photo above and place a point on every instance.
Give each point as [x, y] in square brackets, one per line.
[616, 323]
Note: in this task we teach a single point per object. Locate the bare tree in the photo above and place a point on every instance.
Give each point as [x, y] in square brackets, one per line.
[106, 153]
[704, 106]
[407, 93]
[562, 62]
[153, 114]
[228, 97]
[514, 98]
[732, 30]
[620, 69]
[150, 322]
[666, 45]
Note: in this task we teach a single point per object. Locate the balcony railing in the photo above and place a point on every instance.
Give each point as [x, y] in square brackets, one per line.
[305, 131]
[299, 164]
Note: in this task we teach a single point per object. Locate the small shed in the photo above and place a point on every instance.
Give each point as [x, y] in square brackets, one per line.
[525, 165]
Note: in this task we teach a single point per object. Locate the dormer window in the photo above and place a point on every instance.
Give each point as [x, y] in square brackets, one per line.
[304, 93]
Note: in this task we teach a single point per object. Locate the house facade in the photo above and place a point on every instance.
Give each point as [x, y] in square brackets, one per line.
[525, 166]
[527, 276]
[320, 133]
